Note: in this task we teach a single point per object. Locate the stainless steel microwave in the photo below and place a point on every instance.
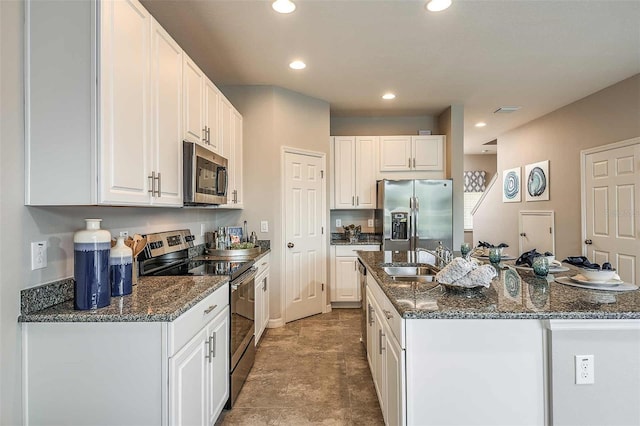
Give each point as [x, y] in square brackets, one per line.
[205, 176]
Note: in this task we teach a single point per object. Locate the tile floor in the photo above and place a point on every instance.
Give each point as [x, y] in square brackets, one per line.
[312, 371]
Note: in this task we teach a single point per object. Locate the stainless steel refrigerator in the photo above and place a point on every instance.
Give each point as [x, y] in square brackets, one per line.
[414, 213]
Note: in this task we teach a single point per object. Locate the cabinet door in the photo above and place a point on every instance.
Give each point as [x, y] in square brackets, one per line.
[365, 172]
[378, 364]
[347, 288]
[124, 103]
[188, 382]
[211, 115]
[166, 116]
[394, 380]
[227, 129]
[344, 170]
[428, 152]
[237, 158]
[218, 365]
[193, 81]
[262, 304]
[395, 153]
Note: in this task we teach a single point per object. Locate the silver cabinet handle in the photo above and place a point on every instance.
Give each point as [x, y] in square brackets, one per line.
[353, 203]
[159, 191]
[387, 314]
[152, 183]
[235, 195]
[290, 245]
[409, 162]
[208, 354]
[209, 309]
[208, 135]
[213, 345]
[204, 134]
[357, 200]
[264, 284]
[380, 336]
[414, 162]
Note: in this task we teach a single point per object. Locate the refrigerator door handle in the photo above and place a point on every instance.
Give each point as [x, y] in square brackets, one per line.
[416, 204]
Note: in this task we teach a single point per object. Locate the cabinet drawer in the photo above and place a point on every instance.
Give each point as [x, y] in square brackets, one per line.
[188, 324]
[349, 250]
[389, 312]
[262, 264]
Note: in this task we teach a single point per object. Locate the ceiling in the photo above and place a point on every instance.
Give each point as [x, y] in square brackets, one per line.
[540, 55]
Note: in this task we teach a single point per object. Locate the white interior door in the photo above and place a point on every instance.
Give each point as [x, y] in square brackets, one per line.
[304, 206]
[611, 207]
[537, 231]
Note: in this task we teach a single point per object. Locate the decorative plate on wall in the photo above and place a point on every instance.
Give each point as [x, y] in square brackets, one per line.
[537, 181]
[511, 185]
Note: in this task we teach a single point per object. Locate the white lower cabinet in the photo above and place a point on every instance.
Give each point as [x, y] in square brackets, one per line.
[345, 283]
[129, 373]
[262, 297]
[386, 356]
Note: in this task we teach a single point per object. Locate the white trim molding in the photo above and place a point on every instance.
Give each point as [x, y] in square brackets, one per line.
[591, 325]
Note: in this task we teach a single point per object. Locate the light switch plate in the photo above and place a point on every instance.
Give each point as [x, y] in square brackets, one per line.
[264, 226]
[370, 223]
[338, 223]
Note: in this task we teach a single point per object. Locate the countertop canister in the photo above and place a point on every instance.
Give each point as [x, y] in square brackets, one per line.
[91, 248]
[121, 268]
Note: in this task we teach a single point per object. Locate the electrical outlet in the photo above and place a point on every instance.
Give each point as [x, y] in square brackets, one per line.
[338, 223]
[370, 223]
[585, 370]
[264, 226]
[124, 234]
[38, 255]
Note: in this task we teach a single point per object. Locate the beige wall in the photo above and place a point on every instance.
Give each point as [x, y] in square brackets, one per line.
[486, 162]
[451, 124]
[275, 118]
[382, 126]
[607, 116]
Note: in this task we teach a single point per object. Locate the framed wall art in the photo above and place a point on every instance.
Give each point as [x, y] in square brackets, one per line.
[537, 181]
[511, 186]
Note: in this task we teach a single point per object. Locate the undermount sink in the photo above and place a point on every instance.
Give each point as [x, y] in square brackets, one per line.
[421, 273]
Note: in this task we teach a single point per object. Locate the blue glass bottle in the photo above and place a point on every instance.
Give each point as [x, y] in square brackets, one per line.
[121, 269]
[91, 248]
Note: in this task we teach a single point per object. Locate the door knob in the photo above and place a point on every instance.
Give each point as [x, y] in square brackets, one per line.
[588, 242]
[290, 245]
[523, 234]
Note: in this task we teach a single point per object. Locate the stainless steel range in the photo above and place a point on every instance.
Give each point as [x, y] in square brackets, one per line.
[167, 253]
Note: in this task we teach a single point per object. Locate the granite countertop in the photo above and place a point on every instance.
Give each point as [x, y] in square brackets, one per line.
[152, 299]
[522, 296]
[339, 239]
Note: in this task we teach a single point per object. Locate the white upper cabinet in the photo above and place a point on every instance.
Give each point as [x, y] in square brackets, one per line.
[124, 103]
[103, 122]
[193, 84]
[211, 108]
[411, 153]
[166, 116]
[231, 141]
[354, 170]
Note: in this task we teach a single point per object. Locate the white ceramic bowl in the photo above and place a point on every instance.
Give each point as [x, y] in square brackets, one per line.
[552, 261]
[598, 275]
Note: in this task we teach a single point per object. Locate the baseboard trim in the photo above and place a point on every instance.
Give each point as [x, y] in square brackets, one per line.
[341, 305]
[275, 323]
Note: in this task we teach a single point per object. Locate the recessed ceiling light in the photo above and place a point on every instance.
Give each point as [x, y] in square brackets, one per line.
[297, 65]
[283, 6]
[481, 124]
[438, 5]
[388, 96]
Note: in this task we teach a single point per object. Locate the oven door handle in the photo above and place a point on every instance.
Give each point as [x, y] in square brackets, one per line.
[247, 276]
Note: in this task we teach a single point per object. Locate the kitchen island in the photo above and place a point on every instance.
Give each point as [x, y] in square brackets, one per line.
[501, 355]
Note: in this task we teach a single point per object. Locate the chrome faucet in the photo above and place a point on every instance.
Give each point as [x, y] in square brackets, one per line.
[444, 257]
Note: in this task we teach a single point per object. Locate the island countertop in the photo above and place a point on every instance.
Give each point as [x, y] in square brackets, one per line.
[521, 296]
[152, 299]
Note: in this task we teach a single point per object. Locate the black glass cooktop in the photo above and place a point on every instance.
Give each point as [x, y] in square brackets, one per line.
[233, 269]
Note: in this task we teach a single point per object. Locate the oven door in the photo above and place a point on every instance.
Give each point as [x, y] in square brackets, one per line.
[242, 314]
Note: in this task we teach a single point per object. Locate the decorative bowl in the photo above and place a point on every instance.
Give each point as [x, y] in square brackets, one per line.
[601, 275]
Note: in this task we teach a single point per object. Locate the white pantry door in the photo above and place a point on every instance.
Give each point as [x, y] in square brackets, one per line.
[611, 192]
[304, 205]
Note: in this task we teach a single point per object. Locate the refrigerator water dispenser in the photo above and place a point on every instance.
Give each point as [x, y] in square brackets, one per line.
[399, 226]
